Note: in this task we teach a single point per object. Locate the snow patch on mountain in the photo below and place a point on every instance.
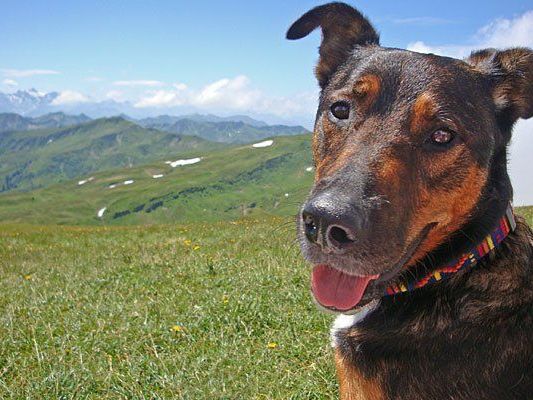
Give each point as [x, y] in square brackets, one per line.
[180, 163]
[265, 143]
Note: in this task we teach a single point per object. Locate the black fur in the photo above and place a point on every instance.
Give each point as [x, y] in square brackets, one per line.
[470, 336]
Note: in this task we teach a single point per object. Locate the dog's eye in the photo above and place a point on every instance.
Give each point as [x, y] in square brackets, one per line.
[442, 137]
[340, 109]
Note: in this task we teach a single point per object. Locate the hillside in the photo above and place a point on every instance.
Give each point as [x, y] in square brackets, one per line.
[241, 130]
[170, 119]
[38, 158]
[225, 184]
[16, 122]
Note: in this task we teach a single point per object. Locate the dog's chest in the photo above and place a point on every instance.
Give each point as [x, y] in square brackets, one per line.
[344, 322]
[353, 385]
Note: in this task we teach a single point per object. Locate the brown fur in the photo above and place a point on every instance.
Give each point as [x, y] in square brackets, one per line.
[423, 113]
[438, 346]
[342, 27]
[514, 67]
[366, 91]
[449, 209]
[352, 384]
[381, 178]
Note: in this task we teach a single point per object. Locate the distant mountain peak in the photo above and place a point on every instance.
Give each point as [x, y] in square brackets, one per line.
[35, 92]
[16, 122]
[33, 102]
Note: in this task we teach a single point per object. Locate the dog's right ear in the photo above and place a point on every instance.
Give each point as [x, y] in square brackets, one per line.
[510, 74]
[343, 28]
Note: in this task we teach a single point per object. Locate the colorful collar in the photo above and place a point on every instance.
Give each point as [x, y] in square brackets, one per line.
[506, 225]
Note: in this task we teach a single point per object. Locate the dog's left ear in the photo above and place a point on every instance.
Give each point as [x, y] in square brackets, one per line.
[343, 28]
[511, 78]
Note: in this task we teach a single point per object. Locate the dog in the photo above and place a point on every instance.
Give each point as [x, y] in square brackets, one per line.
[408, 223]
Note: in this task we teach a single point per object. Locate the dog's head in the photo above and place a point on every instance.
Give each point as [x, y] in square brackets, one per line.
[409, 148]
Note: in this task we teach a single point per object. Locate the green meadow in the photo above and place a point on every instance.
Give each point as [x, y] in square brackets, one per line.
[199, 311]
[227, 183]
[155, 158]
[216, 310]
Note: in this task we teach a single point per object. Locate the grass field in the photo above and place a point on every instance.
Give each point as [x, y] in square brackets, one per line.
[218, 311]
[226, 184]
[200, 311]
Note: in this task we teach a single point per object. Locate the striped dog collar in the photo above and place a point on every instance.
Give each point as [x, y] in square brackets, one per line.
[506, 224]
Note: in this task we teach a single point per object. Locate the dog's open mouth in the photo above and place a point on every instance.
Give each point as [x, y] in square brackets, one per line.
[337, 290]
[340, 291]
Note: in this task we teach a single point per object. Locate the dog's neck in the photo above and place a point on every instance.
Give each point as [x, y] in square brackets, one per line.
[500, 279]
[491, 207]
[478, 295]
[452, 327]
[506, 224]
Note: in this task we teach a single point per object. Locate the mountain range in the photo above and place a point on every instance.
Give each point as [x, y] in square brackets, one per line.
[16, 122]
[41, 157]
[169, 119]
[27, 102]
[56, 166]
[32, 103]
[224, 131]
[219, 184]
[41, 151]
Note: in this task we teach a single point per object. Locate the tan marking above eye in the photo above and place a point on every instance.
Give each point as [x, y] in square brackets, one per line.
[366, 90]
[423, 112]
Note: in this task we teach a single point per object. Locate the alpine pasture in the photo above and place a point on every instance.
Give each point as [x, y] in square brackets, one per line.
[177, 277]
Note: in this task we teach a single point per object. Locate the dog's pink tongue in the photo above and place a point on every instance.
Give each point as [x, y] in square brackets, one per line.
[334, 288]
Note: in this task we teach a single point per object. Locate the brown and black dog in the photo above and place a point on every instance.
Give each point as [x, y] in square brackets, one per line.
[411, 172]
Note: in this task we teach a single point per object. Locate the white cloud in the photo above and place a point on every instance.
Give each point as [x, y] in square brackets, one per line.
[500, 33]
[69, 97]
[24, 73]
[456, 51]
[94, 79]
[9, 82]
[138, 83]
[509, 32]
[160, 99]
[520, 162]
[116, 95]
[299, 104]
[236, 94]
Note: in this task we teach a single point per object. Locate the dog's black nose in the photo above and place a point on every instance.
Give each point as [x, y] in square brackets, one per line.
[331, 222]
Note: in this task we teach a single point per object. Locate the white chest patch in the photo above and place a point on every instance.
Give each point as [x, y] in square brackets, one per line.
[344, 321]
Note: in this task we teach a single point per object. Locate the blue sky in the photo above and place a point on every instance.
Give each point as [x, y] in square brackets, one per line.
[92, 45]
[229, 57]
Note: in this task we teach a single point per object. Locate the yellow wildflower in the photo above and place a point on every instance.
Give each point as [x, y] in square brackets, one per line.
[272, 345]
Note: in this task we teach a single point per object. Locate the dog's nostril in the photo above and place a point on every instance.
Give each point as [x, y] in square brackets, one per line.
[339, 236]
[311, 230]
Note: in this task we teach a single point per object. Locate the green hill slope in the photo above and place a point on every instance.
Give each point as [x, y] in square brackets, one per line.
[16, 122]
[225, 184]
[38, 158]
[221, 130]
